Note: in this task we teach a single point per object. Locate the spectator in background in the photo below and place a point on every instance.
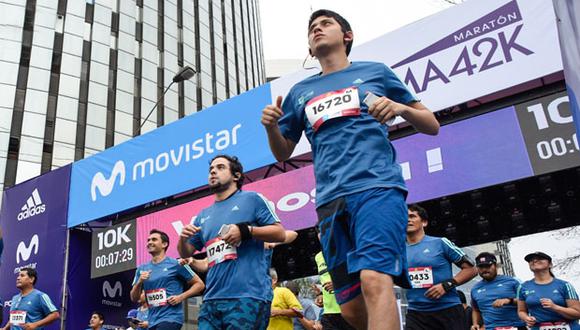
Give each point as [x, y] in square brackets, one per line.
[309, 310]
[96, 322]
[285, 306]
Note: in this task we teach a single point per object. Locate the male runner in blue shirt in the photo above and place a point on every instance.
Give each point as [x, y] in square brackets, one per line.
[31, 308]
[360, 191]
[433, 300]
[233, 231]
[494, 297]
[163, 280]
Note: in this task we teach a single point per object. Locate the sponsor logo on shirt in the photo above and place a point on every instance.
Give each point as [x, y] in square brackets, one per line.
[303, 98]
[235, 208]
[358, 81]
[426, 251]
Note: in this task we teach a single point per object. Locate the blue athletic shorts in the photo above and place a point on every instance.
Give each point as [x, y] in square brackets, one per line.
[234, 314]
[364, 230]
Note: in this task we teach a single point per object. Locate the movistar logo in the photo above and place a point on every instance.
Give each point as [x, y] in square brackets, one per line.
[32, 207]
[24, 252]
[112, 291]
[105, 186]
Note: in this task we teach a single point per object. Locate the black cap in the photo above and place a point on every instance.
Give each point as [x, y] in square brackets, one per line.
[485, 259]
[537, 255]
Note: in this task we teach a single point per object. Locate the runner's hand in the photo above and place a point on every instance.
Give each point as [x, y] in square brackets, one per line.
[269, 246]
[475, 327]
[184, 261]
[174, 300]
[272, 113]
[384, 109]
[435, 292]
[547, 303]
[233, 236]
[530, 320]
[188, 231]
[501, 302]
[144, 276]
[29, 326]
[144, 325]
[328, 287]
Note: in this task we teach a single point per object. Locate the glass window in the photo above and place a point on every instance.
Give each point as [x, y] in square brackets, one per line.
[71, 65]
[26, 170]
[33, 124]
[170, 44]
[30, 148]
[125, 61]
[62, 153]
[74, 24]
[72, 45]
[97, 93]
[124, 81]
[95, 138]
[36, 101]
[101, 33]
[40, 57]
[100, 53]
[65, 131]
[120, 138]
[102, 14]
[69, 86]
[124, 101]
[67, 107]
[123, 123]
[150, 53]
[38, 79]
[75, 8]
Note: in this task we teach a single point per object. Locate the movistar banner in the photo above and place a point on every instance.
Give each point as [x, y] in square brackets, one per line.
[568, 12]
[33, 221]
[171, 159]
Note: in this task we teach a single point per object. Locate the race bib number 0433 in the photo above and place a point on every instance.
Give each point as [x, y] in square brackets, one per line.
[421, 277]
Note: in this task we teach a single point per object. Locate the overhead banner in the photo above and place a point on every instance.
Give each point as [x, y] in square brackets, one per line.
[109, 294]
[171, 159]
[33, 221]
[291, 193]
[568, 12]
[528, 139]
[460, 54]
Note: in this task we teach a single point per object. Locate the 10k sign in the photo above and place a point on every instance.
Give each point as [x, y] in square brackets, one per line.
[113, 249]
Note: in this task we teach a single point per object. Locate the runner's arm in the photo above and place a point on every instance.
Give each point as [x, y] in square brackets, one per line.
[196, 287]
[467, 272]
[421, 118]
[269, 233]
[570, 312]
[184, 248]
[282, 148]
[47, 320]
[476, 317]
[199, 265]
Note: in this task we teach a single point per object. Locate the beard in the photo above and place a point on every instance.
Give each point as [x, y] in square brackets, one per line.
[219, 187]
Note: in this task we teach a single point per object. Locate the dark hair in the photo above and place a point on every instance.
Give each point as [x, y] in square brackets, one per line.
[30, 272]
[344, 25]
[164, 237]
[100, 315]
[462, 297]
[235, 167]
[420, 211]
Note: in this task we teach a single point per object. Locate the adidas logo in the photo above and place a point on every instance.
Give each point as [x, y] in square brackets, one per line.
[426, 251]
[555, 291]
[358, 81]
[33, 206]
[500, 285]
[235, 208]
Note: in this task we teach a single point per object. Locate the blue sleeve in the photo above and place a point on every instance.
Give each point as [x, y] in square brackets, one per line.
[185, 272]
[291, 124]
[137, 275]
[516, 284]
[521, 293]
[451, 251]
[47, 304]
[473, 301]
[265, 213]
[570, 292]
[395, 89]
[196, 240]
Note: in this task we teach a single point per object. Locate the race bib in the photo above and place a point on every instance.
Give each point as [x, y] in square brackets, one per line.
[219, 251]
[156, 298]
[421, 277]
[505, 328]
[554, 326]
[340, 103]
[17, 317]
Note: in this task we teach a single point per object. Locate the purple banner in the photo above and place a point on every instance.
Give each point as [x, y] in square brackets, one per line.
[108, 295]
[470, 154]
[33, 221]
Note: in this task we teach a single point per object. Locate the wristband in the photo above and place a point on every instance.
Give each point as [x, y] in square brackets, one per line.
[244, 230]
[449, 284]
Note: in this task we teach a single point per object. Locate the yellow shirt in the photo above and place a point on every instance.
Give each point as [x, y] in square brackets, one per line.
[283, 299]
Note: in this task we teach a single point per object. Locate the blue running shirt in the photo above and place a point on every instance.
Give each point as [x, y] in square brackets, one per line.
[484, 293]
[558, 291]
[246, 275]
[435, 254]
[351, 152]
[169, 276]
[36, 304]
